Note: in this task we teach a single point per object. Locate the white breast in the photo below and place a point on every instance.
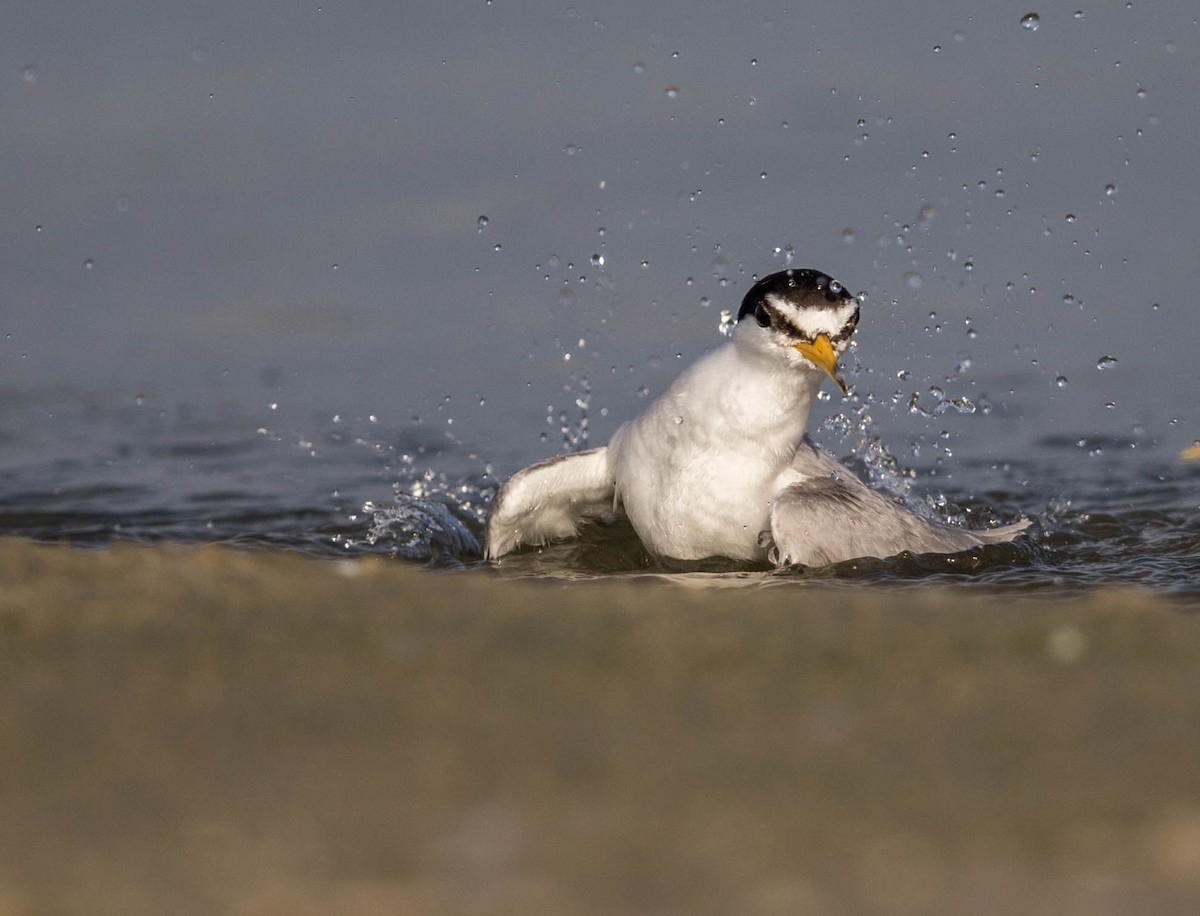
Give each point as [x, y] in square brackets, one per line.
[696, 472]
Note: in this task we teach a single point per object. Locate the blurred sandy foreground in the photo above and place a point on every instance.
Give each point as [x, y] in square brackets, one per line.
[201, 730]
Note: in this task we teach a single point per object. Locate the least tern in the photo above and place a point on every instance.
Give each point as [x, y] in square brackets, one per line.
[720, 463]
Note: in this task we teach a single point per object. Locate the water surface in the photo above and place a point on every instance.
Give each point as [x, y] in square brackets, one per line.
[1107, 512]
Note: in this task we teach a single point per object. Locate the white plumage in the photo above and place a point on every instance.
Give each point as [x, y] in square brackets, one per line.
[719, 464]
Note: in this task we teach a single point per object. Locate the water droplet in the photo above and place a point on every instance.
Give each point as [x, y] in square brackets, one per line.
[570, 149]
[726, 324]
[497, 247]
[913, 280]
[720, 265]
[88, 264]
[1030, 22]
[754, 62]
[643, 263]
[482, 223]
[968, 265]
[1060, 381]
[1106, 362]
[848, 236]
[597, 260]
[1110, 190]
[639, 67]
[672, 92]
[1068, 299]
[1079, 14]
[1141, 92]
[29, 74]
[1070, 217]
[678, 420]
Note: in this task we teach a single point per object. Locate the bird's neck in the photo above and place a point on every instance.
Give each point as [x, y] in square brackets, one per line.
[744, 397]
[774, 397]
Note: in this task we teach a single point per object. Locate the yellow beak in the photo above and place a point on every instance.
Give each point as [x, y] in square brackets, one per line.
[820, 354]
[1191, 453]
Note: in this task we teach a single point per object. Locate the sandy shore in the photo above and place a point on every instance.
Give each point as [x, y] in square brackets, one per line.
[201, 730]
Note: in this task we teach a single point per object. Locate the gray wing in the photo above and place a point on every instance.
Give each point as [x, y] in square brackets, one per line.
[834, 516]
[548, 500]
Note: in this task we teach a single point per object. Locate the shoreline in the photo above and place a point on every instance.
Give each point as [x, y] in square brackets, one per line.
[204, 729]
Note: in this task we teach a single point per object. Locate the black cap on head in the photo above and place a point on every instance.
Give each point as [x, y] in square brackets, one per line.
[809, 288]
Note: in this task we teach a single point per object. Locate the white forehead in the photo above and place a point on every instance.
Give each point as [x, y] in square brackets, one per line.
[816, 319]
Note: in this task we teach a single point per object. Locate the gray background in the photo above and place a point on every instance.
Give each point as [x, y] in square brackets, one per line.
[229, 206]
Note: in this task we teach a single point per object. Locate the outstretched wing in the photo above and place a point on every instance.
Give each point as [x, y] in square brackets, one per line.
[835, 516]
[548, 500]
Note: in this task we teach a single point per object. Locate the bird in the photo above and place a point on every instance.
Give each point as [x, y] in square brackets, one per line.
[721, 465]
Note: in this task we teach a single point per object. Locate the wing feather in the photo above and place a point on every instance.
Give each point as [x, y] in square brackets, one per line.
[834, 517]
[548, 500]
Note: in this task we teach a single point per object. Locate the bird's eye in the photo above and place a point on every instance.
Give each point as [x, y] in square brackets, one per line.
[761, 315]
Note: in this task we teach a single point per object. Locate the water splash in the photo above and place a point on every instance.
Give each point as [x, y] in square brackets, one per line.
[856, 427]
[573, 425]
[941, 403]
[418, 528]
[433, 515]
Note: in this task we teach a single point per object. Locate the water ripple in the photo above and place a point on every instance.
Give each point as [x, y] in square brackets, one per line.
[1123, 516]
